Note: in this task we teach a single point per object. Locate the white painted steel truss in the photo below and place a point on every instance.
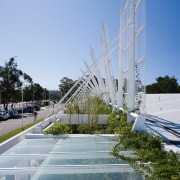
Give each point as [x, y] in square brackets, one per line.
[127, 88]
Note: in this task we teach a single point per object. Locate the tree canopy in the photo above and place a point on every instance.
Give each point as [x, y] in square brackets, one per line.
[164, 84]
[65, 84]
[13, 80]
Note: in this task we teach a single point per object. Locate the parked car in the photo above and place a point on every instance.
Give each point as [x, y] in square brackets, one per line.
[1, 118]
[36, 107]
[29, 109]
[4, 115]
[13, 113]
[19, 110]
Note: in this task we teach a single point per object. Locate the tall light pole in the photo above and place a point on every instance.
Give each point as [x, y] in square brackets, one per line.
[0, 99]
[49, 97]
[33, 95]
[22, 102]
[0, 93]
[22, 106]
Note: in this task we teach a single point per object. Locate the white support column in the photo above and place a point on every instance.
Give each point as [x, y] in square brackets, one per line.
[107, 64]
[92, 78]
[77, 92]
[120, 92]
[88, 78]
[98, 76]
[131, 65]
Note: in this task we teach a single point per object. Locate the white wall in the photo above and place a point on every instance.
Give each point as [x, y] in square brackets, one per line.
[82, 118]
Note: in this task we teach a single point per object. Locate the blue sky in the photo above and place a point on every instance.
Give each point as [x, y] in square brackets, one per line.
[52, 38]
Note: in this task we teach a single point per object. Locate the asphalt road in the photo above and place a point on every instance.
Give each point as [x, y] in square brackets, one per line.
[27, 118]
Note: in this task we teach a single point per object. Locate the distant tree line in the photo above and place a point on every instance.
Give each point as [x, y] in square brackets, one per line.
[164, 84]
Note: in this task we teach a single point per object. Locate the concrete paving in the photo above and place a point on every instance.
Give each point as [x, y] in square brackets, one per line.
[27, 118]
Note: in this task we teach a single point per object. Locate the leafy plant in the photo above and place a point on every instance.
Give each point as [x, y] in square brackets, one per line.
[58, 128]
[163, 165]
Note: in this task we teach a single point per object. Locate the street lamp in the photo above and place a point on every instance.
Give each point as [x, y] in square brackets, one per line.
[22, 102]
[22, 106]
[49, 97]
[0, 99]
[0, 93]
[33, 95]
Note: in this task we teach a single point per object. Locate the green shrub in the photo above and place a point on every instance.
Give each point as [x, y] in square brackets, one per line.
[92, 105]
[58, 128]
[164, 164]
[85, 129]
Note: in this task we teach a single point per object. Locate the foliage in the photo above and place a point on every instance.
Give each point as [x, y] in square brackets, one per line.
[65, 85]
[35, 92]
[139, 88]
[14, 80]
[76, 108]
[163, 164]
[10, 81]
[79, 129]
[73, 108]
[92, 105]
[113, 123]
[99, 107]
[118, 125]
[58, 128]
[164, 84]
[91, 129]
[140, 140]
[85, 129]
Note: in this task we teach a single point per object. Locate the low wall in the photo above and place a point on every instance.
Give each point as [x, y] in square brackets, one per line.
[82, 118]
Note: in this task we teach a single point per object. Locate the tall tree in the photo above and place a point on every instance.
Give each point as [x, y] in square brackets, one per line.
[65, 84]
[38, 91]
[11, 80]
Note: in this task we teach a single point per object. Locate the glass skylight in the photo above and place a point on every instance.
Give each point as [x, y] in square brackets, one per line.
[64, 157]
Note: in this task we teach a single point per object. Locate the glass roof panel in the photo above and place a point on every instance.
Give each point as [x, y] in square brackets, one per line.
[65, 157]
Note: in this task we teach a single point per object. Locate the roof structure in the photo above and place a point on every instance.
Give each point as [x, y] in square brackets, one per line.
[88, 156]
[162, 118]
[118, 79]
